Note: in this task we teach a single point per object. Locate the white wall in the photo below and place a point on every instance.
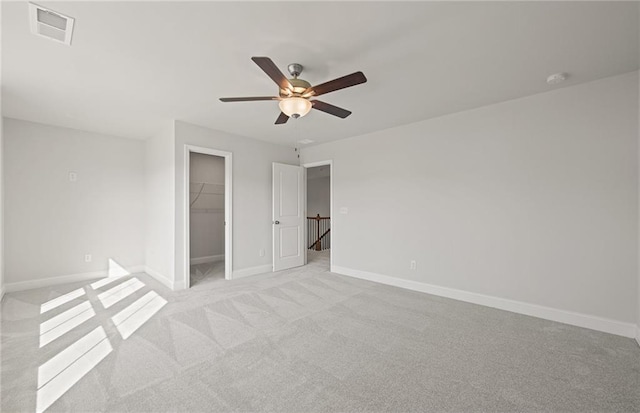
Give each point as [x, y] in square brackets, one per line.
[160, 204]
[2, 289]
[319, 196]
[533, 200]
[207, 212]
[51, 223]
[252, 160]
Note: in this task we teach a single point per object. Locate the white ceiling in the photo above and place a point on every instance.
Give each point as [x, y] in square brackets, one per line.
[132, 65]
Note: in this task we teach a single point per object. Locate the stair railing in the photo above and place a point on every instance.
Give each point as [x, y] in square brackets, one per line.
[319, 233]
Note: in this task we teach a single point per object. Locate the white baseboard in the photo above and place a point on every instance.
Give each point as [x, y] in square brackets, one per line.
[64, 279]
[160, 277]
[209, 258]
[1, 294]
[638, 334]
[135, 269]
[246, 272]
[548, 313]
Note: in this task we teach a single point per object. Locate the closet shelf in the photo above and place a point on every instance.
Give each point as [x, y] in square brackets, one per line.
[207, 210]
[206, 188]
[206, 193]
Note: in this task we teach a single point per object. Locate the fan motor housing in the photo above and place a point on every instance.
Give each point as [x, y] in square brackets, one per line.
[299, 86]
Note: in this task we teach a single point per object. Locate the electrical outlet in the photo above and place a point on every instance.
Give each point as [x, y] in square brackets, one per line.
[261, 253]
[73, 176]
[412, 265]
[87, 258]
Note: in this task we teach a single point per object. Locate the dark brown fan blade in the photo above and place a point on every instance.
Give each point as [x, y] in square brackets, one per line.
[273, 72]
[249, 99]
[330, 109]
[282, 119]
[336, 84]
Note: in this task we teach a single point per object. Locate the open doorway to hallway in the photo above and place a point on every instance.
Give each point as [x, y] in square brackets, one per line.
[206, 218]
[318, 228]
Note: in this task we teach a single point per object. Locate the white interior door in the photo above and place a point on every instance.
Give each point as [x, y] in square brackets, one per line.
[288, 216]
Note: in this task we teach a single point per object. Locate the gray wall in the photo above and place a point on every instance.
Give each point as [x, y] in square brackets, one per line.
[160, 203]
[638, 281]
[319, 196]
[206, 229]
[1, 204]
[51, 223]
[533, 200]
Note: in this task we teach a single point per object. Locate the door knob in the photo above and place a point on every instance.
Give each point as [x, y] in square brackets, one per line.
[276, 222]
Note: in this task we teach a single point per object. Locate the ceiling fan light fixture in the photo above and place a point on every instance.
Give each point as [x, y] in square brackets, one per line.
[294, 93]
[295, 107]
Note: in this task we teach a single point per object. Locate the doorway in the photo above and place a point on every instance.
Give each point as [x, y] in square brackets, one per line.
[299, 238]
[208, 216]
[319, 217]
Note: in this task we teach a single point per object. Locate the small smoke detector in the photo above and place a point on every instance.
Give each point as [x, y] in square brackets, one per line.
[50, 24]
[305, 141]
[556, 78]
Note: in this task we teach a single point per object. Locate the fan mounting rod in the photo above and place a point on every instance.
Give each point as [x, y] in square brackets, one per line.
[295, 69]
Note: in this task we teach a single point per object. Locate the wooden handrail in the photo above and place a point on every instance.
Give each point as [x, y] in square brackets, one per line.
[318, 242]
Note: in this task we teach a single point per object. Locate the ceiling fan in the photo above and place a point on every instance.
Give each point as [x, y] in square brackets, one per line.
[295, 94]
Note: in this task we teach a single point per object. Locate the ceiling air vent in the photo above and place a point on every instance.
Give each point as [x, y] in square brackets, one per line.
[50, 24]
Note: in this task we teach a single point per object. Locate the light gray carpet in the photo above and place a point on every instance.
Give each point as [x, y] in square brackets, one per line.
[302, 340]
[206, 273]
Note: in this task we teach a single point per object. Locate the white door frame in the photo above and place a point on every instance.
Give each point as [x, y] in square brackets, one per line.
[228, 233]
[311, 165]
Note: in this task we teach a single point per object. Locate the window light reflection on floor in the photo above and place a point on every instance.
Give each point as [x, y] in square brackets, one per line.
[120, 292]
[63, 371]
[103, 282]
[57, 302]
[115, 272]
[65, 322]
[139, 312]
